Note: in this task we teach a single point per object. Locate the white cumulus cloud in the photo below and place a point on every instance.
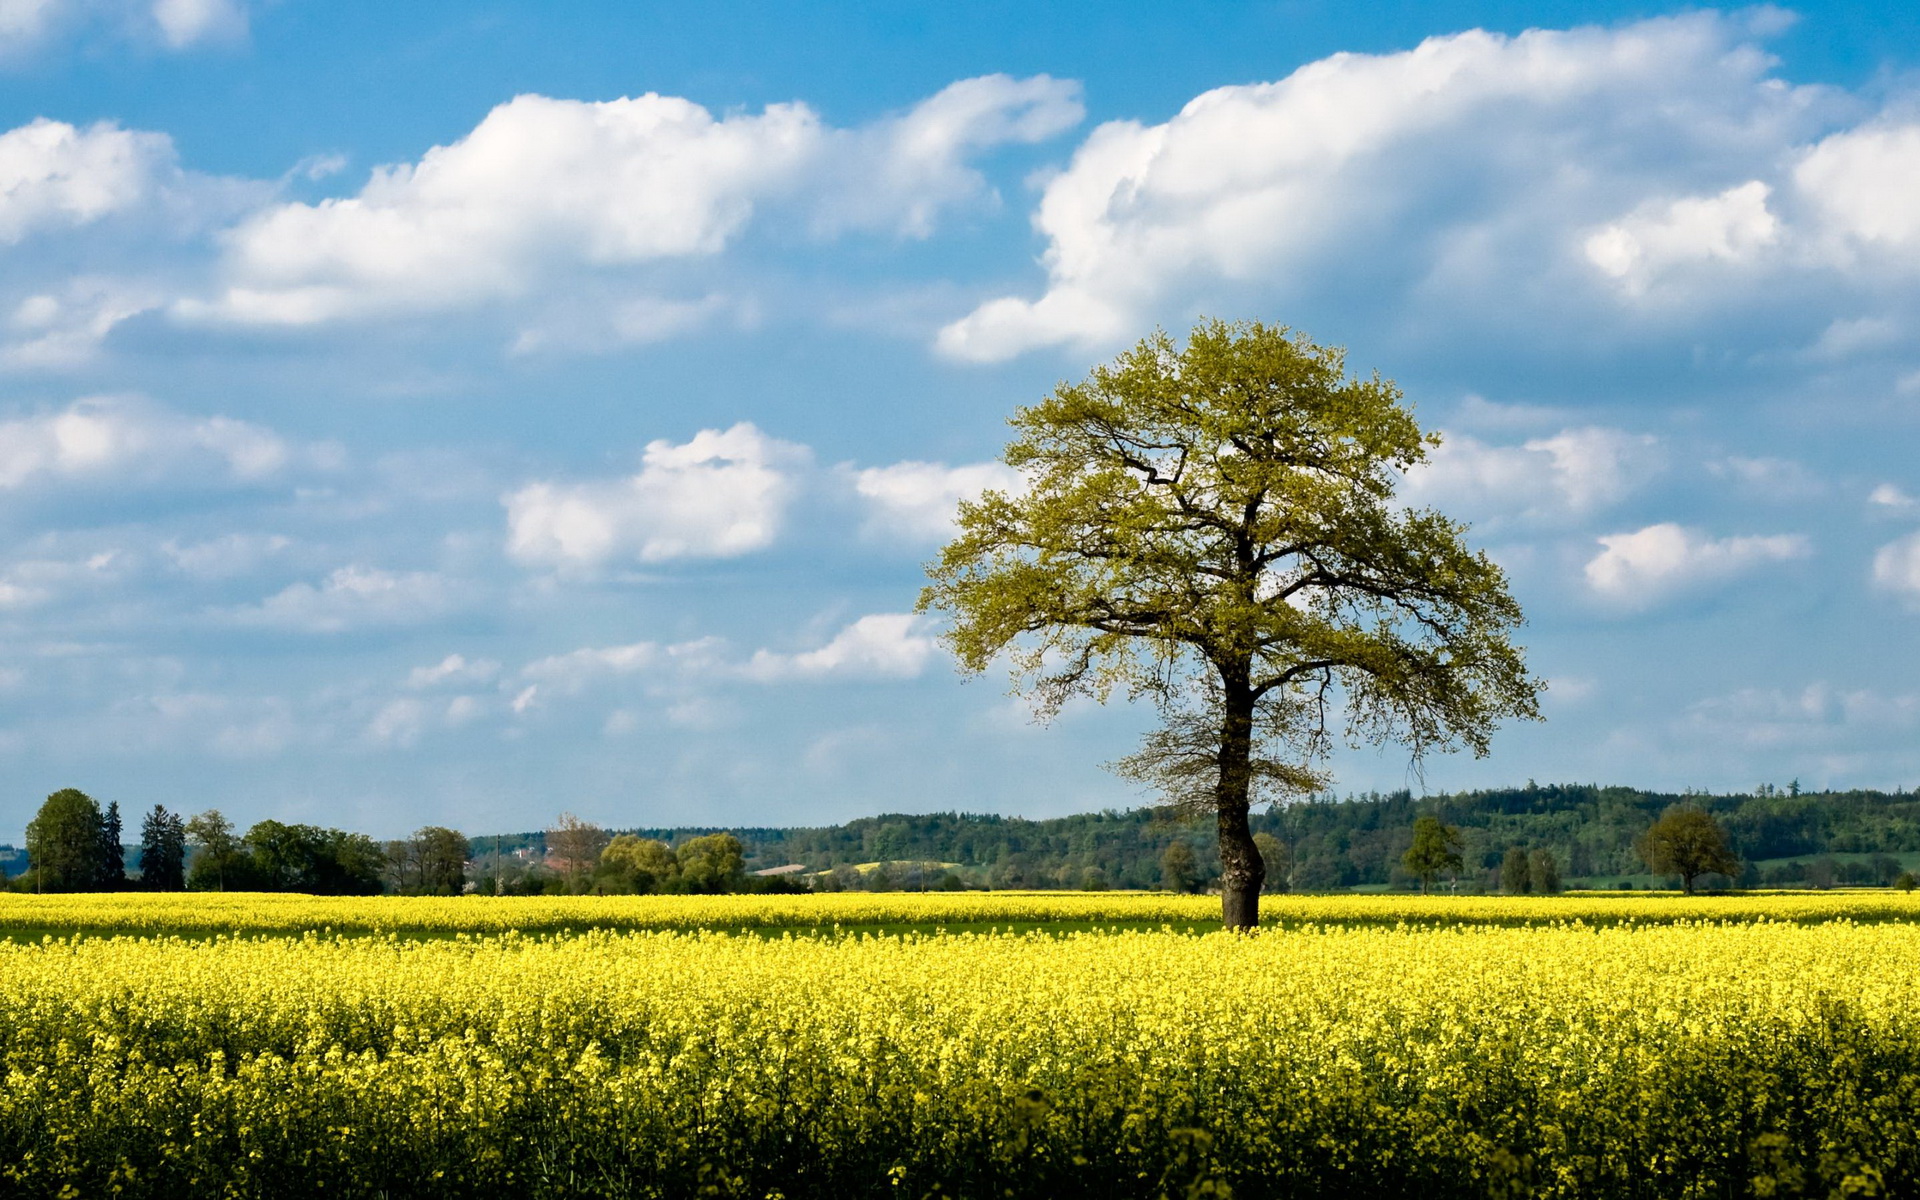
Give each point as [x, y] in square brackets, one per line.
[1572, 473]
[1733, 226]
[723, 493]
[879, 645]
[1637, 570]
[1896, 568]
[1863, 183]
[544, 186]
[919, 499]
[1472, 153]
[57, 176]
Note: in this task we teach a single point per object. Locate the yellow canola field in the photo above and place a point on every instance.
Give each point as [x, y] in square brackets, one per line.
[1635, 1059]
[209, 912]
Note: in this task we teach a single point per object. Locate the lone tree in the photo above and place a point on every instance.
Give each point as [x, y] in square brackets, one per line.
[1212, 527]
[1687, 841]
[1436, 848]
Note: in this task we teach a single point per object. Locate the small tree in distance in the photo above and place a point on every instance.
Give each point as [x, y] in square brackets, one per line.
[216, 849]
[1179, 870]
[1515, 872]
[1435, 849]
[1543, 872]
[163, 851]
[574, 846]
[1687, 841]
[64, 843]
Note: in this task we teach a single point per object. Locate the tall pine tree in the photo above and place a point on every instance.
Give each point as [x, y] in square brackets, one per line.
[163, 851]
[113, 862]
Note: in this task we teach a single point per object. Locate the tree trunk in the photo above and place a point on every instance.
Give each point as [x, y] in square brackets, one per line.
[1241, 869]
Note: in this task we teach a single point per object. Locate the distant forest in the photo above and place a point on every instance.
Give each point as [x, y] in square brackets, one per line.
[1784, 837]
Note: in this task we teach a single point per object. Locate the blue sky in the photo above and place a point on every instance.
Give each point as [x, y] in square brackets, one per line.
[463, 412]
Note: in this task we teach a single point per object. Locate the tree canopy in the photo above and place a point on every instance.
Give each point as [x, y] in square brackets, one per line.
[1687, 841]
[1213, 527]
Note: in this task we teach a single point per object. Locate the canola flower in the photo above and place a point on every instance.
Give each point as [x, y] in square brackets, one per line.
[1699, 1057]
[270, 913]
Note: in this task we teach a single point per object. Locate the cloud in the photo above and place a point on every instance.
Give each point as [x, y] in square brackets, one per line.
[185, 23]
[64, 328]
[901, 172]
[56, 176]
[546, 186]
[231, 727]
[351, 599]
[1896, 568]
[226, 557]
[1572, 473]
[1816, 717]
[119, 440]
[1733, 226]
[1637, 570]
[453, 670]
[919, 499]
[1890, 498]
[721, 494]
[877, 646]
[1515, 167]
[1862, 183]
[37, 582]
[27, 25]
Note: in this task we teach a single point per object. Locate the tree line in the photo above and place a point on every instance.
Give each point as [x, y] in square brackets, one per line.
[1531, 839]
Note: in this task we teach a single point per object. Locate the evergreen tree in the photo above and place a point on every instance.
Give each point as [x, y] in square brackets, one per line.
[113, 856]
[163, 851]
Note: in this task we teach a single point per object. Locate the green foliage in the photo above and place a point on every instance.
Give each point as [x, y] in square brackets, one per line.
[1543, 872]
[163, 851]
[1212, 527]
[65, 843]
[713, 863]
[217, 852]
[1516, 873]
[1687, 841]
[433, 862]
[1907, 881]
[1435, 849]
[113, 860]
[638, 864]
[1179, 869]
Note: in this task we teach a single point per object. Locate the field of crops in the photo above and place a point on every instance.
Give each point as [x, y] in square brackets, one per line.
[1368, 1046]
[266, 913]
